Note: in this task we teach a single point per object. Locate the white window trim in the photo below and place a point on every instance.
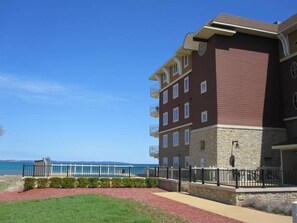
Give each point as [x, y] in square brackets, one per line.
[186, 65]
[294, 69]
[187, 142]
[164, 77]
[204, 114]
[175, 158]
[165, 113]
[175, 72]
[164, 102]
[175, 86]
[203, 90]
[165, 136]
[187, 158]
[186, 89]
[186, 115]
[295, 100]
[173, 112]
[175, 133]
[165, 158]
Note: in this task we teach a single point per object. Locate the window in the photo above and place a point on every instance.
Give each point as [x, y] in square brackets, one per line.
[186, 110]
[203, 87]
[165, 96]
[187, 159]
[165, 161]
[175, 114]
[202, 145]
[187, 136]
[186, 61]
[186, 84]
[202, 162]
[164, 78]
[165, 141]
[176, 161]
[175, 91]
[204, 116]
[175, 138]
[295, 100]
[294, 70]
[175, 70]
[165, 118]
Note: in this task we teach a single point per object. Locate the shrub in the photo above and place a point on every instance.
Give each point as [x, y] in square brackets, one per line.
[105, 182]
[138, 182]
[29, 183]
[55, 182]
[127, 182]
[151, 182]
[68, 182]
[42, 183]
[82, 182]
[276, 207]
[117, 182]
[93, 182]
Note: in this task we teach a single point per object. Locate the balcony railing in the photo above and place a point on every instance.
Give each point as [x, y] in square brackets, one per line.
[154, 111]
[154, 130]
[155, 92]
[154, 151]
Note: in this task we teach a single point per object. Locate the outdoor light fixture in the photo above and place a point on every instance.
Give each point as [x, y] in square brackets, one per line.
[235, 144]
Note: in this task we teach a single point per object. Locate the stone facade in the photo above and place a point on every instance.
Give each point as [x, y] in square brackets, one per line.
[253, 150]
[234, 196]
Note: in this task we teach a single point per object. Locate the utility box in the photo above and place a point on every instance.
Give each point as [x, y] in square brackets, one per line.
[42, 168]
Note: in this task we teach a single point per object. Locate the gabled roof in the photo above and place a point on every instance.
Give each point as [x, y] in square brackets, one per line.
[288, 25]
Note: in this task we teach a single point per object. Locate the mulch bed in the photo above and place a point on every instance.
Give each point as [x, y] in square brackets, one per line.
[145, 195]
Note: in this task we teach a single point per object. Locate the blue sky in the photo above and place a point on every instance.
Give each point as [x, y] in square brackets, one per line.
[74, 74]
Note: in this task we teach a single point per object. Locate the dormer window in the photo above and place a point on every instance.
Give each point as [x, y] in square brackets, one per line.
[175, 69]
[186, 61]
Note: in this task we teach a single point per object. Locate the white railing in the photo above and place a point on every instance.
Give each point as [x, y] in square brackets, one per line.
[155, 92]
[154, 111]
[154, 151]
[154, 130]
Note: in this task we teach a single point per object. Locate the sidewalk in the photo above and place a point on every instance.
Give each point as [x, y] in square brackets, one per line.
[235, 212]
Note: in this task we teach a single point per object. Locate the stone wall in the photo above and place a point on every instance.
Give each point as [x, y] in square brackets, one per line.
[229, 195]
[209, 153]
[168, 184]
[254, 146]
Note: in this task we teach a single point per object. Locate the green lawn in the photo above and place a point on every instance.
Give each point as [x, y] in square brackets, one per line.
[80, 209]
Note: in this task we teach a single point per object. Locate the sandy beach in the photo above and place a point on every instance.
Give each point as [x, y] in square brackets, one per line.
[10, 183]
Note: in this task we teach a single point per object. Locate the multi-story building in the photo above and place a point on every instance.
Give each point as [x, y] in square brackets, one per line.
[220, 99]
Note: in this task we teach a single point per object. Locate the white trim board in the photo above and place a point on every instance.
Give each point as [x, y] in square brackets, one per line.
[178, 127]
[173, 82]
[288, 57]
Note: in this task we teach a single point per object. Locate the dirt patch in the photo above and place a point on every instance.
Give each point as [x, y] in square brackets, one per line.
[11, 183]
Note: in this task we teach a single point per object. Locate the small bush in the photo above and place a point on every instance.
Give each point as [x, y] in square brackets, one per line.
[151, 182]
[138, 182]
[105, 182]
[93, 182]
[117, 182]
[55, 182]
[276, 207]
[82, 182]
[42, 183]
[68, 182]
[29, 183]
[127, 182]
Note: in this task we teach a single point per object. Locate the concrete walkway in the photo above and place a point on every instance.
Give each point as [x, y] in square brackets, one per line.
[235, 212]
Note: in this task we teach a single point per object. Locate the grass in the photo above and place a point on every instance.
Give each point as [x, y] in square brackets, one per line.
[82, 208]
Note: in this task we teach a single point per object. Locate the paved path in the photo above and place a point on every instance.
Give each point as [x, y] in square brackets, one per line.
[230, 211]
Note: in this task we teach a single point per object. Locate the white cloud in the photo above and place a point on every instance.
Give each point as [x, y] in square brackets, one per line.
[52, 92]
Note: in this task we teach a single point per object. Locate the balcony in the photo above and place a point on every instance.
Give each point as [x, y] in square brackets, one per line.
[154, 130]
[154, 111]
[155, 92]
[154, 151]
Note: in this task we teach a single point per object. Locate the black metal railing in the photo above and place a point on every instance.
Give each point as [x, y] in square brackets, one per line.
[80, 170]
[264, 177]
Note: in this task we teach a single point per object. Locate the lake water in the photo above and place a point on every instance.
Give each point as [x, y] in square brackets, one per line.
[16, 167]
